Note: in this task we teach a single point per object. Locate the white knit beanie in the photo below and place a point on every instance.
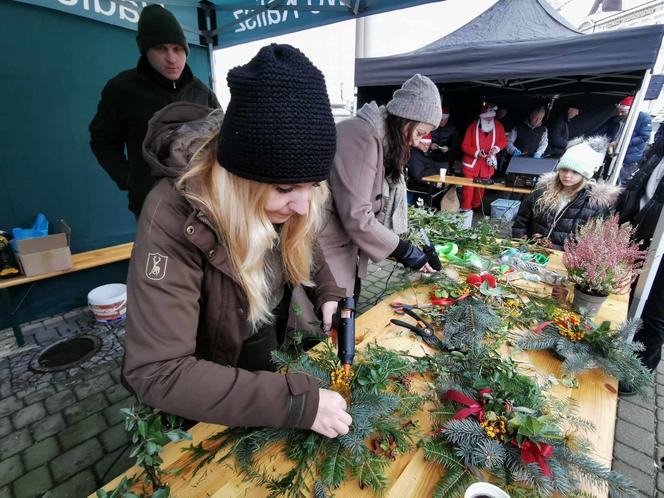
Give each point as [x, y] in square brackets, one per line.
[585, 157]
[418, 99]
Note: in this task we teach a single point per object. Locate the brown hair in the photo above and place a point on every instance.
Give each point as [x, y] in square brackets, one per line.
[397, 148]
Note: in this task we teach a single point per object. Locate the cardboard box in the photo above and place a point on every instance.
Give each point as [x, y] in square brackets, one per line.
[45, 254]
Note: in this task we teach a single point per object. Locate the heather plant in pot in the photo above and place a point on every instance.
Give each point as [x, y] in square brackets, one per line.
[601, 259]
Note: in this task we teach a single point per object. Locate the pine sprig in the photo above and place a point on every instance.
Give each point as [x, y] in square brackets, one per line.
[467, 322]
[599, 476]
[370, 472]
[611, 350]
[333, 468]
[453, 483]
[442, 455]
[466, 433]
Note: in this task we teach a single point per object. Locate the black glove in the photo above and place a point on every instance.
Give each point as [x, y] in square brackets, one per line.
[409, 255]
[432, 258]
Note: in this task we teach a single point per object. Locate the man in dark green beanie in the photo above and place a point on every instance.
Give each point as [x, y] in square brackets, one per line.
[129, 100]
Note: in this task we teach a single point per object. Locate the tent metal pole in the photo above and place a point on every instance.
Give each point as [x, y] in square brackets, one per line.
[650, 267]
[628, 129]
[360, 37]
[213, 78]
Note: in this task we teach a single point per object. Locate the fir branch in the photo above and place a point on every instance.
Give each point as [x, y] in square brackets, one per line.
[598, 475]
[453, 483]
[370, 471]
[319, 490]
[489, 454]
[409, 403]
[333, 467]
[544, 340]
[437, 451]
[465, 433]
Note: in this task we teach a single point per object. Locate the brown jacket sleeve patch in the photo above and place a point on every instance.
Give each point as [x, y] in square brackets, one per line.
[155, 266]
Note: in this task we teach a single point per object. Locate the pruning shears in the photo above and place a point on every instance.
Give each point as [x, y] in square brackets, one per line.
[398, 306]
[422, 328]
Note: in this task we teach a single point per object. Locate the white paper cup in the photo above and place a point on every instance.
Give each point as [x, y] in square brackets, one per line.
[485, 489]
[443, 172]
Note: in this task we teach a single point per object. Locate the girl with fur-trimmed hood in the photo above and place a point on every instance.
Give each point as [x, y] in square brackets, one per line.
[566, 199]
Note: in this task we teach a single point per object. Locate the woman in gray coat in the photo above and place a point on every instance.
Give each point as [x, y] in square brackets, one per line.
[368, 210]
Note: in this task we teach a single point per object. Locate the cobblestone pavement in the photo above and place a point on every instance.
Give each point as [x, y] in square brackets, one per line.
[61, 433]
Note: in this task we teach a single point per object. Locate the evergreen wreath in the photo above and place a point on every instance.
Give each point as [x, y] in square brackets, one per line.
[584, 345]
[491, 419]
[381, 403]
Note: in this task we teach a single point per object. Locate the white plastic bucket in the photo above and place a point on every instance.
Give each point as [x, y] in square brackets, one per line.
[108, 303]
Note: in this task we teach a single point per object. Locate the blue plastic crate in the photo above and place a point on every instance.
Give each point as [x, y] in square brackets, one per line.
[505, 209]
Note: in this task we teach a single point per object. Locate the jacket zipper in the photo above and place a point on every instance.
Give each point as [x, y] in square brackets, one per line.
[203, 219]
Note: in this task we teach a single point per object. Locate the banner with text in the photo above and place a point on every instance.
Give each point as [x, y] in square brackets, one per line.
[237, 21]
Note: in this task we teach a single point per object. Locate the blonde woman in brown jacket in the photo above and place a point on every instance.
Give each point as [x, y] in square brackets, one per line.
[368, 210]
[221, 238]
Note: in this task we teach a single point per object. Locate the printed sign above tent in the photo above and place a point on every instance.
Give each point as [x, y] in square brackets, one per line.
[236, 21]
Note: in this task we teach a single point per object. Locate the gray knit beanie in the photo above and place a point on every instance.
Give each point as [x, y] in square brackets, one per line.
[418, 99]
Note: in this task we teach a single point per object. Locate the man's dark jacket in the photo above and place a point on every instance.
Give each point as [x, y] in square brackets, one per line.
[609, 129]
[447, 136]
[639, 140]
[528, 138]
[594, 200]
[419, 166]
[558, 134]
[127, 103]
[629, 203]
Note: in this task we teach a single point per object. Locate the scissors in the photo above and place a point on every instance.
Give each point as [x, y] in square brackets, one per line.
[422, 328]
[398, 306]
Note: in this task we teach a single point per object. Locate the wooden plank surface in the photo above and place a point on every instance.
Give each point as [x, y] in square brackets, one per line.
[80, 261]
[468, 182]
[410, 475]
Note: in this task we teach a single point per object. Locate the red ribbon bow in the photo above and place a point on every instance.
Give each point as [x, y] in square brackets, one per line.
[474, 407]
[539, 328]
[532, 452]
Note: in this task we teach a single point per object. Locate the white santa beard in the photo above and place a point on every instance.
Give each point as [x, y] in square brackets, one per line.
[487, 124]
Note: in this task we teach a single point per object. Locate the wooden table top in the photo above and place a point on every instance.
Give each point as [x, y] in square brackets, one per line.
[410, 475]
[468, 182]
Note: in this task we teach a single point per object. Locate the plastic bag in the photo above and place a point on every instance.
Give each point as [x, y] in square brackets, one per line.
[39, 229]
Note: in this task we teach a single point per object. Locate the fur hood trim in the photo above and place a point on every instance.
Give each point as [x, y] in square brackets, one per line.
[601, 194]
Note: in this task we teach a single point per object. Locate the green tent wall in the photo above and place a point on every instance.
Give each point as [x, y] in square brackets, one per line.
[54, 66]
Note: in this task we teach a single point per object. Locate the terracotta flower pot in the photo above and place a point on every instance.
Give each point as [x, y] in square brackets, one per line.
[591, 303]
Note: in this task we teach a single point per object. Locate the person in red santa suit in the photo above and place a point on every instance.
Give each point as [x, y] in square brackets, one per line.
[484, 138]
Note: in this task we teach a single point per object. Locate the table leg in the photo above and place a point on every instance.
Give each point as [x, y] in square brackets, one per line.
[7, 304]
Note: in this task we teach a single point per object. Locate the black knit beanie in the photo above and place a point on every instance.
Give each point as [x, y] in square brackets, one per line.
[278, 127]
[156, 25]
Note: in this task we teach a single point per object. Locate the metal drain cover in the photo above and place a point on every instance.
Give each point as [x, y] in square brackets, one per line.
[65, 354]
